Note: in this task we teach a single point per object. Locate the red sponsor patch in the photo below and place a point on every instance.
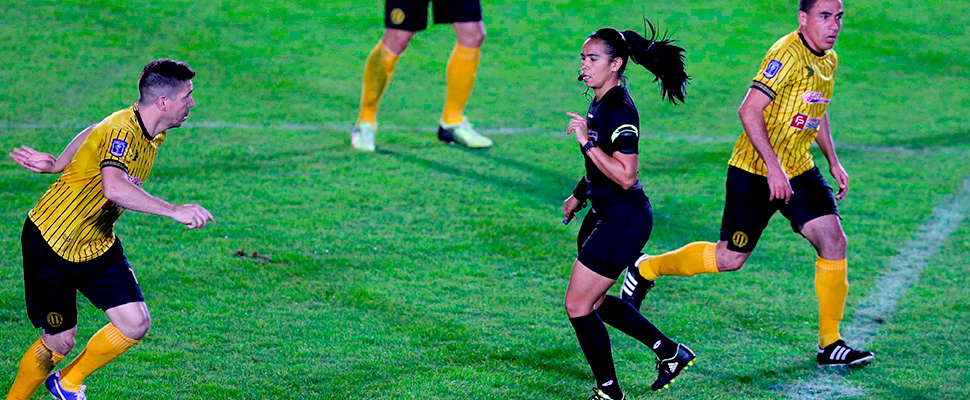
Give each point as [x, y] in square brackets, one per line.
[798, 121]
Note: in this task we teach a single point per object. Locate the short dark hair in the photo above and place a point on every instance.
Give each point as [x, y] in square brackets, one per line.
[162, 78]
[806, 5]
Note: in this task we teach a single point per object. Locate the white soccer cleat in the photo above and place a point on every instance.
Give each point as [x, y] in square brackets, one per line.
[362, 137]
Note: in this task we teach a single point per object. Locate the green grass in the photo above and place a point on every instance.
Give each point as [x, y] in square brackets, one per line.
[431, 271]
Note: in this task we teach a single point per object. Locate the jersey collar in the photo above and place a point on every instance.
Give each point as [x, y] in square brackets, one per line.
[141, 124]
[820, 54]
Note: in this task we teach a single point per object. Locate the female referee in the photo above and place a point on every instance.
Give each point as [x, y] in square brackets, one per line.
[619, 223]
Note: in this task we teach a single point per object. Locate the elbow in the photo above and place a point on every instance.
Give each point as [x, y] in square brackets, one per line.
[628, 183]
[110, 191]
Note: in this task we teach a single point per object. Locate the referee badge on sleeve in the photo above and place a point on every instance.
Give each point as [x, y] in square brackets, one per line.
[773, 67]
[118, 147]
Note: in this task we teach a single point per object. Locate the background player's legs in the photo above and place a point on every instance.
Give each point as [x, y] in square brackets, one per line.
[38, 362]
[462, 67]
[129, 323]
[585, 292]
[831, 283]
[379, 69]
[460, 78]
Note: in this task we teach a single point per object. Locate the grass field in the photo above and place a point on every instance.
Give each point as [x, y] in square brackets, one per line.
[427, 271]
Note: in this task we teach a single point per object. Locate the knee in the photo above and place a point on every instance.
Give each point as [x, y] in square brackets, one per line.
[397, 40]
[729, 260]
[576, 309]
[472, 38]
[61, 343]
[137, 328]
[834, 248]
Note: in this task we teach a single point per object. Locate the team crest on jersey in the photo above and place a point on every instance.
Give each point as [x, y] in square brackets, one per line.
[773, 67]
[812, 97]
[118, 147]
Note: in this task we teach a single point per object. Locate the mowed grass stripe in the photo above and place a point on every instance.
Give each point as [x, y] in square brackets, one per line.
[903, 272]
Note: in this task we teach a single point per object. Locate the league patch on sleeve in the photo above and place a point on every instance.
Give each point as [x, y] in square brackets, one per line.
[118, 147]
[773, 67]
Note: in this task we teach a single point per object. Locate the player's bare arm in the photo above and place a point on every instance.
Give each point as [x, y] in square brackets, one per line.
[117, 188]
[827, 145]
[620, 168]
[44, 163]
[753, 120]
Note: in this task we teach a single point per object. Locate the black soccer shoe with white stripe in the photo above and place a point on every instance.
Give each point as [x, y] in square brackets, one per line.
[668, 369]
[840, 354]
[635, 286]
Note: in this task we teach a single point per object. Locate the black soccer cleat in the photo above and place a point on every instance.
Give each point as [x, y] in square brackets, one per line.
[668, 369]
[839, 354]
[446, 135]
[635, 286]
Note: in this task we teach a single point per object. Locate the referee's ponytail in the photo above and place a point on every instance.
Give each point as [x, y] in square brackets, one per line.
[659, 56]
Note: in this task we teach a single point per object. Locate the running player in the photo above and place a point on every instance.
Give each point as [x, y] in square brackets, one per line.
[621, 219]
[68, 238]
[402, 18]
[771, 169]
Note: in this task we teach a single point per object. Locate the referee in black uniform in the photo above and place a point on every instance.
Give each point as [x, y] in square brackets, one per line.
[620, 221]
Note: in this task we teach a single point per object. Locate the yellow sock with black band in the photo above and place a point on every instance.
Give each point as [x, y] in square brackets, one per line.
[460, 77]
[105, 346]
[692, 259]
[36, 364]
[831, 287]
[377, 74]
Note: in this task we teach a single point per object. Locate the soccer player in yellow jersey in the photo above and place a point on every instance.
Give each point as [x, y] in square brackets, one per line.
[68, 238]
[402, 18]
[772, 170]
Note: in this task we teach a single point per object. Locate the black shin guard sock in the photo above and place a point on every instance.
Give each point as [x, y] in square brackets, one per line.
[595, 342]
[621, 315]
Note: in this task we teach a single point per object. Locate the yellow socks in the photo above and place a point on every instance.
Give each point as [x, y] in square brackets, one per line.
[460, 76]
[36, 364]
[692, 259]
[106, 345]
[377, 74]
[831, 286]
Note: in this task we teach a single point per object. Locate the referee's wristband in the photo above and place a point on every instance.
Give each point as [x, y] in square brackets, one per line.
[589, 145]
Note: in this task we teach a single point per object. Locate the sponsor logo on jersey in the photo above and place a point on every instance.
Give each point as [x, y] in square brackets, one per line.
[811, 72]
[118, 147]
[397, 16]
[802, 121]
[812, 97]
[773, 67]
[739, 239]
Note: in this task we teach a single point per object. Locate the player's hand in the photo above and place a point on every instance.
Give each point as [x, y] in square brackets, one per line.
[33, 160]
[569, 208]
[779, 185]
[193, 216]
[578, 125]
[841, 178]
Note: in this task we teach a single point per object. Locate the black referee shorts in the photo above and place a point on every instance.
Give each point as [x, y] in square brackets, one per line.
[747, 209]
[612, 236]
[51, 283]
[412, 15]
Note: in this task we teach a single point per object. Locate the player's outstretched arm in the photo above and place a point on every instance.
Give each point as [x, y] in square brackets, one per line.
[752, 113]
[43, 163]
[117, 188]
[827, 145]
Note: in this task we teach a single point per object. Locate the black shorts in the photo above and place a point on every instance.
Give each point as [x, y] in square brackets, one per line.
[747, 209]
[613, 236]
[51, 283]
[412, 15]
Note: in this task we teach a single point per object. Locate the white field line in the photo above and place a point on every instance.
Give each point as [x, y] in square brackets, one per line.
[902, 273]
[488, 131]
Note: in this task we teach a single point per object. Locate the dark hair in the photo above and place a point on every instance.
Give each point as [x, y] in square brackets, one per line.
[806, 5]
[659, 56]
[162, 78]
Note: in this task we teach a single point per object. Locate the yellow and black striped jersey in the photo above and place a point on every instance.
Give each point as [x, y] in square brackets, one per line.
[800, 83]
[75, 218]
